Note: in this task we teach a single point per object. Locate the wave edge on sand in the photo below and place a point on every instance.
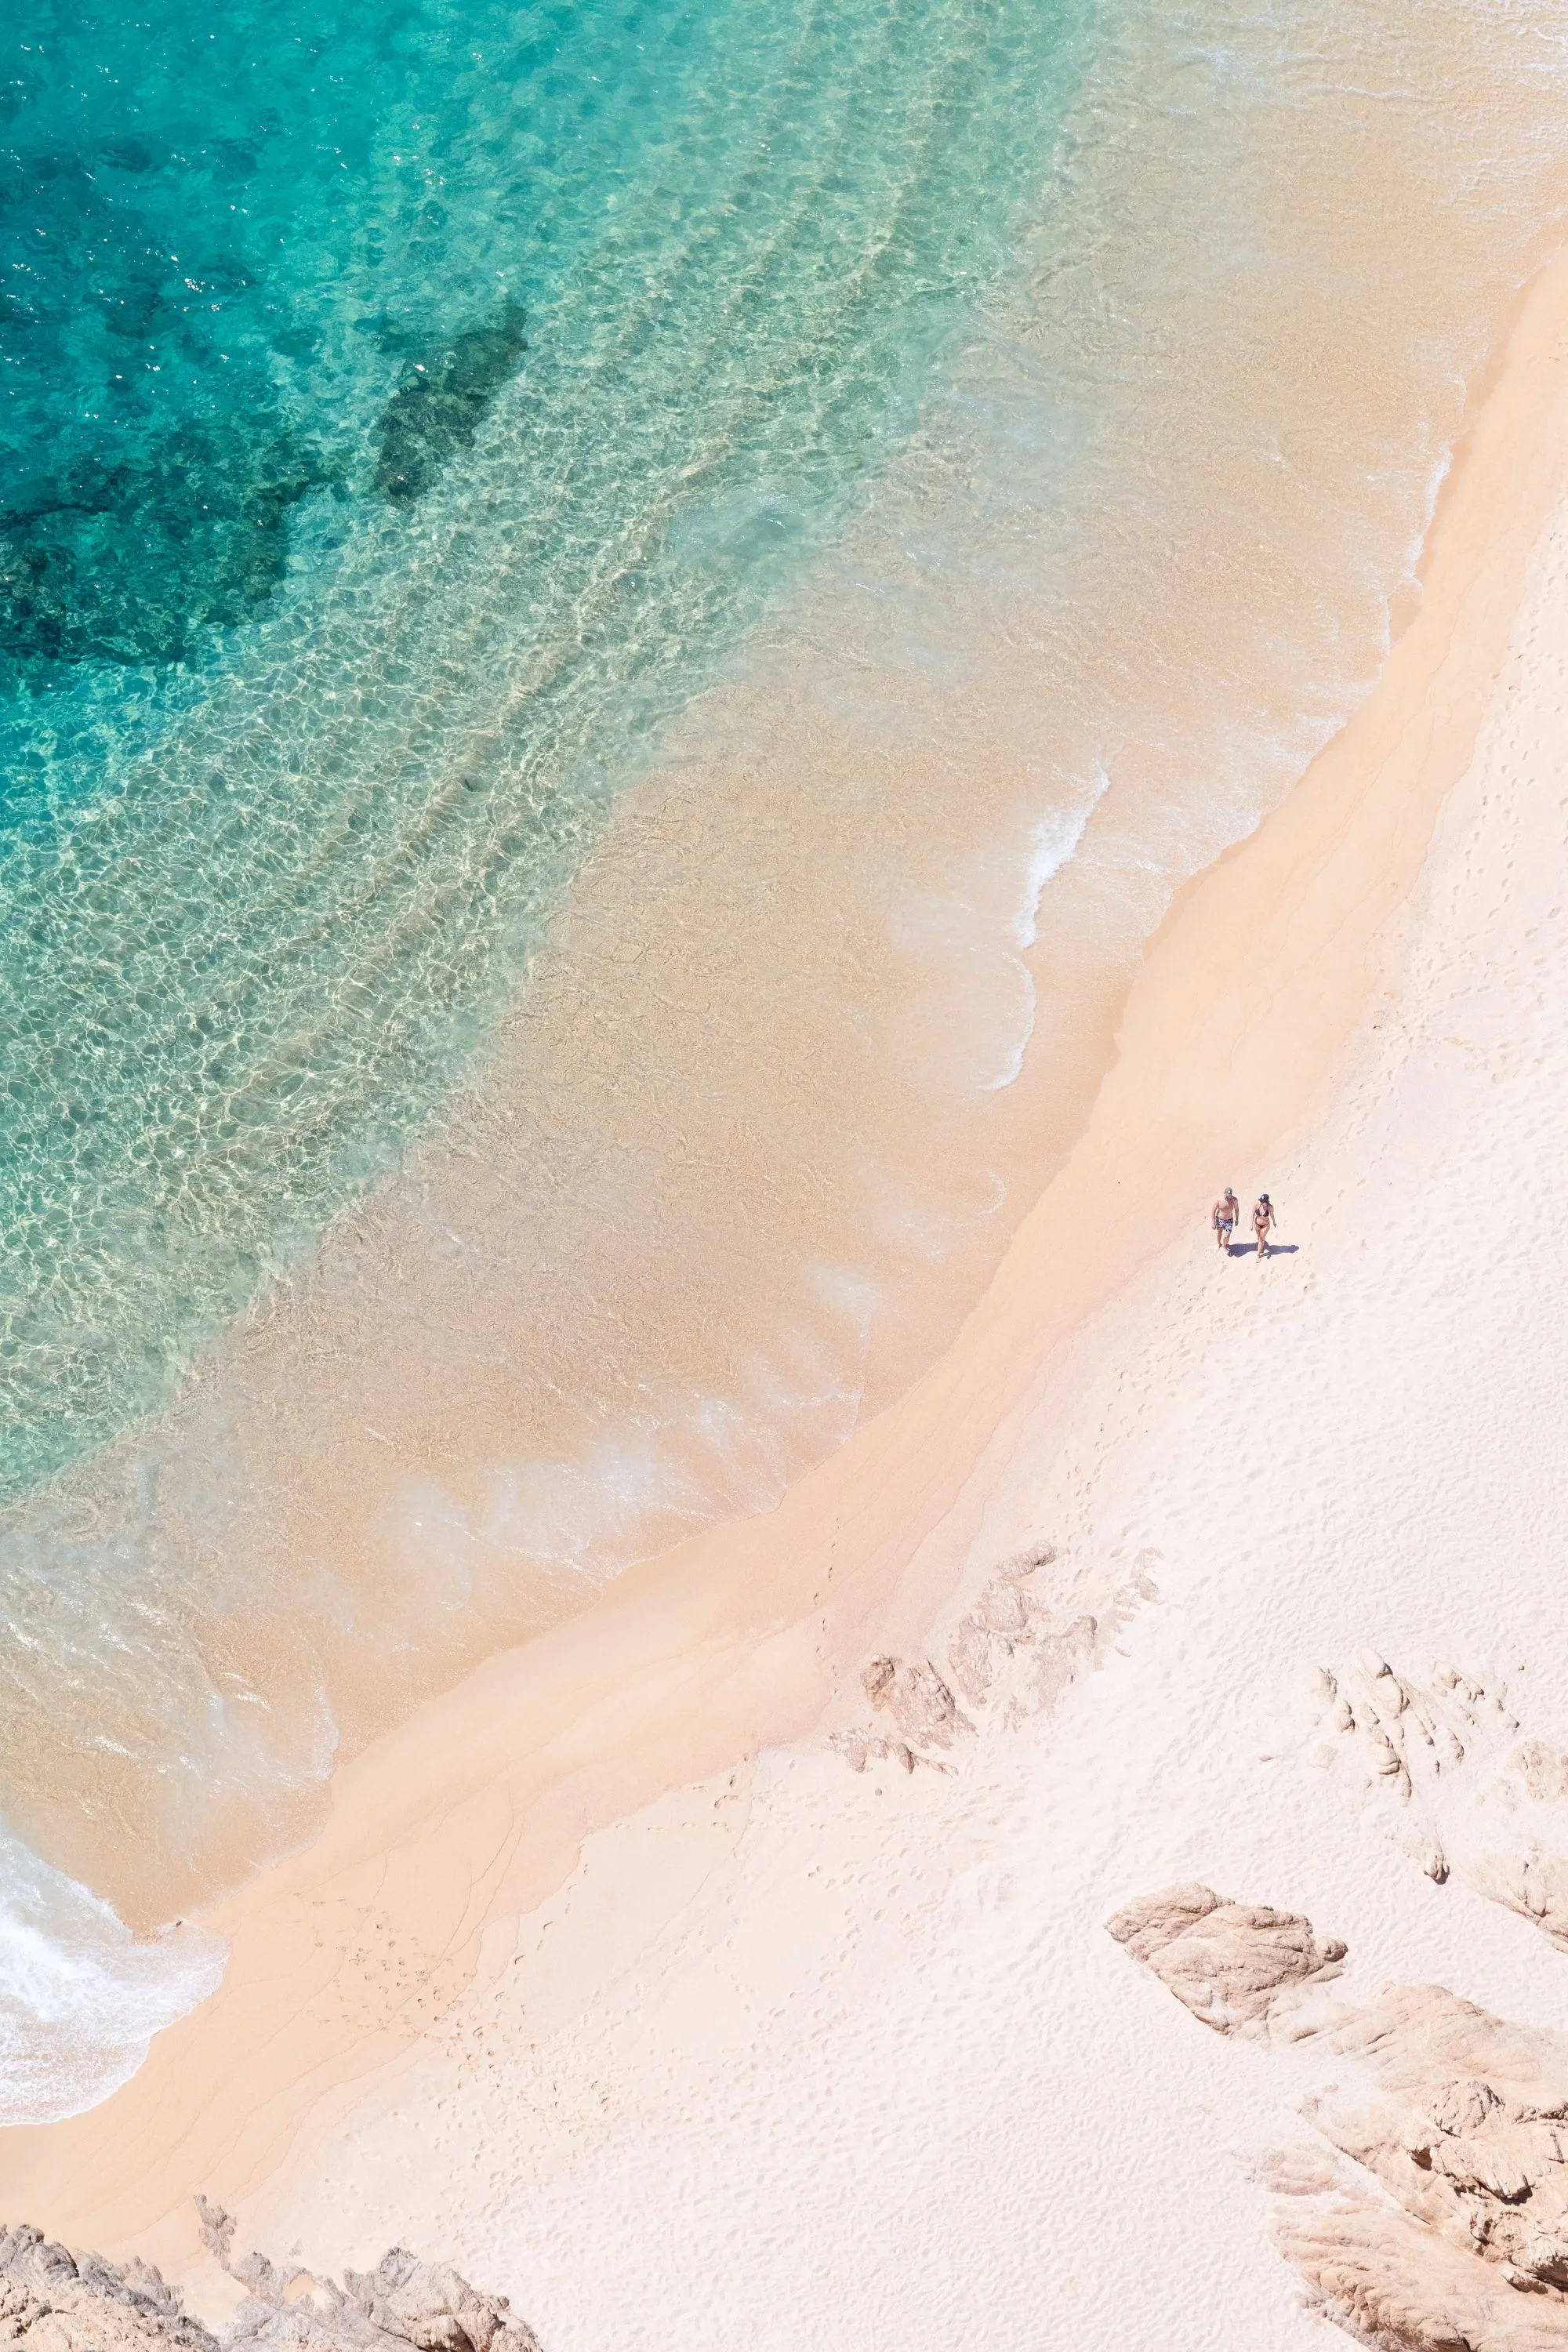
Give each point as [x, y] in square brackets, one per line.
[582, 1929]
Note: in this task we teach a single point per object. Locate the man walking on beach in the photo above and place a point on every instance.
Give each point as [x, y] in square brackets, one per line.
[1263, 1225]
[1226, 1210]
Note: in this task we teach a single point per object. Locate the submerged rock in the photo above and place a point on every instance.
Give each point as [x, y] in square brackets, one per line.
[127, 557]
[441, 404]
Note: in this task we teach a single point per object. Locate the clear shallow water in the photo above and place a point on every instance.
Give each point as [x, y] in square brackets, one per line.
[1022, 419]
[401, 408]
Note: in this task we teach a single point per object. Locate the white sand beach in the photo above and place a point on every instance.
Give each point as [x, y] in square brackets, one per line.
[661, 1979]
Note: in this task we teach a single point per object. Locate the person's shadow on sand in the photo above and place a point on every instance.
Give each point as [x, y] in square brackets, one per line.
[1268, 1249]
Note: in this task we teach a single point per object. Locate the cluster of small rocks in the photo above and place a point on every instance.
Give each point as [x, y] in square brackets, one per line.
[52, 2300]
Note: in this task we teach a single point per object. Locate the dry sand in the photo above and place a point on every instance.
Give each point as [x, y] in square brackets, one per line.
[612, 1980]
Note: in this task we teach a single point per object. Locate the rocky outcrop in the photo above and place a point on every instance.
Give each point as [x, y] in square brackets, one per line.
[1383, 2279]
[1232, 1964]
[1012, 1656]
[1429, 2213]
[1440, 2219]
[401, 2301]
[1459, 1788]
[53, 2301]
[924, 1713]
[429, 2306]
[1466, 2130]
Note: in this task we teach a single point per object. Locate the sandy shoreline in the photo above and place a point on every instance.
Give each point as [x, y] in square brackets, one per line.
[620, 1753]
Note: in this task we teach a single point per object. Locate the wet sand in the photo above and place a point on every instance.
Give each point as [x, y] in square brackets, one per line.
[737, 1162]
[421, 1959]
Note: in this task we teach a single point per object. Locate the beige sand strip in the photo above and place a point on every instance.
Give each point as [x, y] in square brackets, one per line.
[471, 1814]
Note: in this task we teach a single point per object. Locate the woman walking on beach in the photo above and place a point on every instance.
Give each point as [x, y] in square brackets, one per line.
[1263, 1225]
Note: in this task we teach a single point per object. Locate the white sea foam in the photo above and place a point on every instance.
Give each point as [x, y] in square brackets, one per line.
[80, 1996]
[1145, 538]
[574, 1523]
[1055, 839]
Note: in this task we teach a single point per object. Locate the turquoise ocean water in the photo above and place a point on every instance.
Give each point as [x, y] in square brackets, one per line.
[401, 409]
[407, 415]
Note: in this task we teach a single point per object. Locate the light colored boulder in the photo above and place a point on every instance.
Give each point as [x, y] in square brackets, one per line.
[1441, 1759]
[1429, 2211]
[401, 2301]
[1231, 1964]
[53, 2301]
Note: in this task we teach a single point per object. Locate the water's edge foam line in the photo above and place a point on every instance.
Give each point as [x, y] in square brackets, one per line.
[468, 1813]
[425, 1443]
